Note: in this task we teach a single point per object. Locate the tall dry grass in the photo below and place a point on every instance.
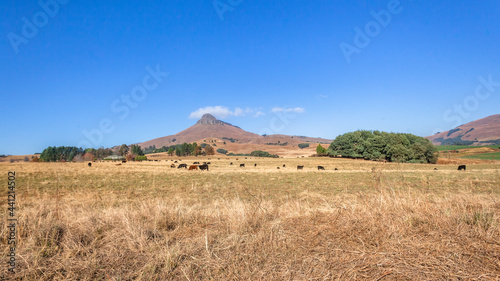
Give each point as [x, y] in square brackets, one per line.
[147, 222]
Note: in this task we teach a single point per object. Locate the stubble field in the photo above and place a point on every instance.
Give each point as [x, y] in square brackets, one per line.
[147, 221]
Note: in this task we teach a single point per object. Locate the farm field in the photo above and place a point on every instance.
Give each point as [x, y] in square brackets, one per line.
[147, 221]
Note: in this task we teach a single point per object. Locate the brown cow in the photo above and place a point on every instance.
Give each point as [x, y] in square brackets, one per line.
[193, 167]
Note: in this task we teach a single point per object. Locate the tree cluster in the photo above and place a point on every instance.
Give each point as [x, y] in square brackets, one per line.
[303, 145]
[376, 145]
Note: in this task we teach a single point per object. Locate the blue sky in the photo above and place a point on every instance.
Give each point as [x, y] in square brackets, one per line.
[103, 73]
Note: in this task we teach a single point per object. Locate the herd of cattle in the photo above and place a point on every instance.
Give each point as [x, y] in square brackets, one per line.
[204, 166]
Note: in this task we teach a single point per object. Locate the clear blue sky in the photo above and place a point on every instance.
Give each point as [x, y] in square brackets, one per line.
[266, 66]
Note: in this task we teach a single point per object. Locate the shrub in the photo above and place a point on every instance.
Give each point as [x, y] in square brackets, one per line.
[303, 145]
[141, 158]
[221, 151]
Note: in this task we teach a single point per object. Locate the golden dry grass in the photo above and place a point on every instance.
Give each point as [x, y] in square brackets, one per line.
[146, 221]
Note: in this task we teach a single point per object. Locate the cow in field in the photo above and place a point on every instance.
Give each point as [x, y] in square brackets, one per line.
[208, 163]
[336, 169]
[242, 165]
[283, 165]
[175, 161]
[193, 167]
[172, 166]
[203, 167]
[231, 163]
[182, 166]
[321, 168]
[255, 165]
[435, 169]
[278, 168]
[89, 164]
[124, 161]
[196, 163]
[461, 167]
[300, 167]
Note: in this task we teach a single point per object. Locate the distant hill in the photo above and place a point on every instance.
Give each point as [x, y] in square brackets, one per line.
[485, 131]
[237, 140]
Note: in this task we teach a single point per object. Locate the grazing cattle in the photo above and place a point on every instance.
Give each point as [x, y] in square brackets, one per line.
[203, 167]
[321, 168]
[175, 161]
[208, 163]
[461, 167]
[336, 169]
[182, 166]
[119, 164]
[172, 166]
[218, 158]
[278, 168]
[124, 161]
[236, 158]
[435, 169]
[242, 165]
[255, 165]
[196, 163]
[231, 163]
[193, 167]
[300, 167]
[245, 158]
[283, 165]
[90, 164]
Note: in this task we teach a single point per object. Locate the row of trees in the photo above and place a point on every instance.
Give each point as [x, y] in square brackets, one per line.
[376, 145]
[185, 149]
[70, 153]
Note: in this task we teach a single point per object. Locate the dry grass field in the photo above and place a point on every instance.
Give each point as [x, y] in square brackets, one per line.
[147, 221]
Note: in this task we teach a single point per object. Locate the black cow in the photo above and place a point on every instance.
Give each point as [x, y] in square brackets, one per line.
[203, 167]
[321, 168]
[283, 165]
[175, 161]
[336, 169]
[196, 163]
[208, 163]
[90, 164]
[124, 161]
[182, 166]
[172, 166]
[435, 169]
[255, 165]
[300, 167]
[242, 165]
[231, 163]
[461, 167]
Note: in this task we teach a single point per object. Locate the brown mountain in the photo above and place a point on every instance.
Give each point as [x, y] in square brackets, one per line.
[484, 131]
[210, 128]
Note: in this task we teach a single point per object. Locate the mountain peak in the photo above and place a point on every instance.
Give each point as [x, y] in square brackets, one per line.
[209, 119]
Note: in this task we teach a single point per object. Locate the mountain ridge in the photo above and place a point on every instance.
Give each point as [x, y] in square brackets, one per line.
[484, 131]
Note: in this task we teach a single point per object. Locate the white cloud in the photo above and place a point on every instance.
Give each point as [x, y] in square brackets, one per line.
[290, 109]
[220, 112]
[258, 113]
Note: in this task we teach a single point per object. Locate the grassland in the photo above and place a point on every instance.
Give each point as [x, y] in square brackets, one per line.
[456, 147]
[147, 221]
[485, 156]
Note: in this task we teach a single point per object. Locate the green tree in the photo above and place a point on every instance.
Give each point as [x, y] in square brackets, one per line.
[123, 150]
[320, 149]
